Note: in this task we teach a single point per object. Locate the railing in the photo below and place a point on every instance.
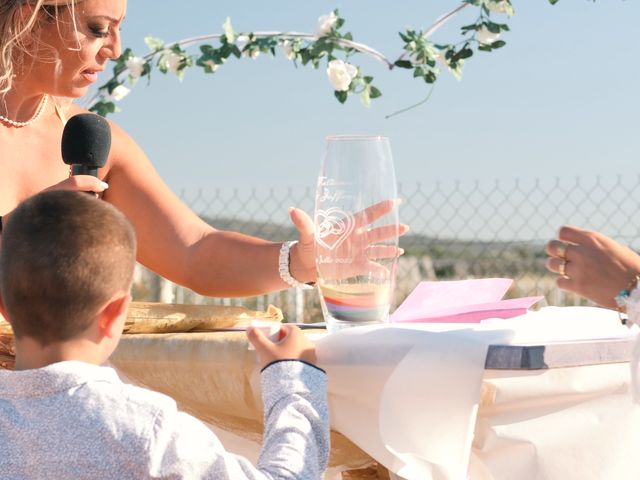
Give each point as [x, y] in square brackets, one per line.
[459, 229]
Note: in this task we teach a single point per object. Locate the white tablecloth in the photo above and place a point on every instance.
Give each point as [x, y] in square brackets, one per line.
[418, 399]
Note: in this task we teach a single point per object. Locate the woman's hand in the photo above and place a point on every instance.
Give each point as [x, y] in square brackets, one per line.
[592, 264]
[363, 241]
[302, 255]
[81, 183]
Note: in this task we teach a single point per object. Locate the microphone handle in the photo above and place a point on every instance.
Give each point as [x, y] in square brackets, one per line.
[79, 169]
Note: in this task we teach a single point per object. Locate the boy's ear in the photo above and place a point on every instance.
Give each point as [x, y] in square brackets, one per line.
[114, 311]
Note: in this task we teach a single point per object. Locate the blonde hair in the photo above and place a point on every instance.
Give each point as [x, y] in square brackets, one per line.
[16, 28]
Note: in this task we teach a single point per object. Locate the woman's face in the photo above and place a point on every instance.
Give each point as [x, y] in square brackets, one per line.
[83, 49]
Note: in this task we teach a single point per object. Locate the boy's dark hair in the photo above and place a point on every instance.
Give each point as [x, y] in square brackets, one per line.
[63, 255]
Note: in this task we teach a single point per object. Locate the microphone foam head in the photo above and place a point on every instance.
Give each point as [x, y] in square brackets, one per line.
[86, 140]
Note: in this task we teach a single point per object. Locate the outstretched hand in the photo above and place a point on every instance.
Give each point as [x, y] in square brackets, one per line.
[591, 264]
[343, 236]
[303, 267]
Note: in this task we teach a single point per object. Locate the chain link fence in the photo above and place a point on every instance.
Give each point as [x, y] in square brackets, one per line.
[458, 229]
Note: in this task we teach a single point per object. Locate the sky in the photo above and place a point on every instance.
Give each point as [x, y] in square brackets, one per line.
[559, 100]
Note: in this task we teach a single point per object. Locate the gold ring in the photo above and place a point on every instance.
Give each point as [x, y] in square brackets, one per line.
[561, 251]
[562, 269]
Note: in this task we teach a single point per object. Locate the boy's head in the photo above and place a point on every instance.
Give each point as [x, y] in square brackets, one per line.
[64, 256]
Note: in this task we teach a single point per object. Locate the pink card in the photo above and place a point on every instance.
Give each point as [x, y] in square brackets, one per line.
[461, 301]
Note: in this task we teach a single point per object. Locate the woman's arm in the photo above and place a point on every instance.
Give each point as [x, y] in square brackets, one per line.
[175, 243]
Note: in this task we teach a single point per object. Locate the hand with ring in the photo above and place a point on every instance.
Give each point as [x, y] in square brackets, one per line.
[591, 264]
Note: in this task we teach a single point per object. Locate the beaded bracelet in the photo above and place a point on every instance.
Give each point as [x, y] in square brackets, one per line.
[283, 267]
[628, 301]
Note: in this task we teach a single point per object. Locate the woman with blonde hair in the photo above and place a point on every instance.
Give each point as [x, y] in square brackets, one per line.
[52, 52]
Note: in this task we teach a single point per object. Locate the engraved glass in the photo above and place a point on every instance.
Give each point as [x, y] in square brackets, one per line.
[356, 231]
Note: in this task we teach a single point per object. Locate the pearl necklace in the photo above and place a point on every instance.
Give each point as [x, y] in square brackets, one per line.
[36, 116]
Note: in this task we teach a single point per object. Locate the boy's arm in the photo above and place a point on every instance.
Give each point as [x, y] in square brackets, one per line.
[296, 437]
[296, 419]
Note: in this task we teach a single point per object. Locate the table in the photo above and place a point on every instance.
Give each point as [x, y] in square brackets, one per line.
[430, 401]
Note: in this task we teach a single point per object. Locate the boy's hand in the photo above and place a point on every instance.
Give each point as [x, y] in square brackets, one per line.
[293, 345]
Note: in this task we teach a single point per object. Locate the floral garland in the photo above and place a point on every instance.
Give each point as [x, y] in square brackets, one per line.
[326, 43]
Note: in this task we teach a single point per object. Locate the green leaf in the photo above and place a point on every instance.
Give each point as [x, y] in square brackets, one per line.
[553, 2]
[492, 27]
[485, 47]
[466, 52]
[175, 48]
[155, 44]
[403, 64]
[236, 51]
[418, 72]
[207, 49]
[375, 93]
[127, 54]
[367, 79]
[430, 77]
[341, 96]
[468, 28]
[112, 85]
[103, 108]
[498, 44]
[404, 38]
[304, 56]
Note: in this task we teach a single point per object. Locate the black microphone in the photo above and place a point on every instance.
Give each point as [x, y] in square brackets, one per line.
[86, 141]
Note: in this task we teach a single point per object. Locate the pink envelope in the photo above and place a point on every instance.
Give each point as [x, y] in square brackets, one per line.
[468, 301]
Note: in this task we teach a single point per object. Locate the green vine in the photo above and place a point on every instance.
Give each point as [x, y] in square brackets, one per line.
[328, 44]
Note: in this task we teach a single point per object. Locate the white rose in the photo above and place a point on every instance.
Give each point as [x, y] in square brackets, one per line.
[287, 48]
[135, 65]
[173, 62]
[340, 74]
[119, 93]
[485, 36]
[325, 24]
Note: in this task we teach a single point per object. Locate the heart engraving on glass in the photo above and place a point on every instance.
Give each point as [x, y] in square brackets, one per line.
[333, 226]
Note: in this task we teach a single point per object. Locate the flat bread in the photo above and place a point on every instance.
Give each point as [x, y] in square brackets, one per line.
[147, 317]
[170, 318]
